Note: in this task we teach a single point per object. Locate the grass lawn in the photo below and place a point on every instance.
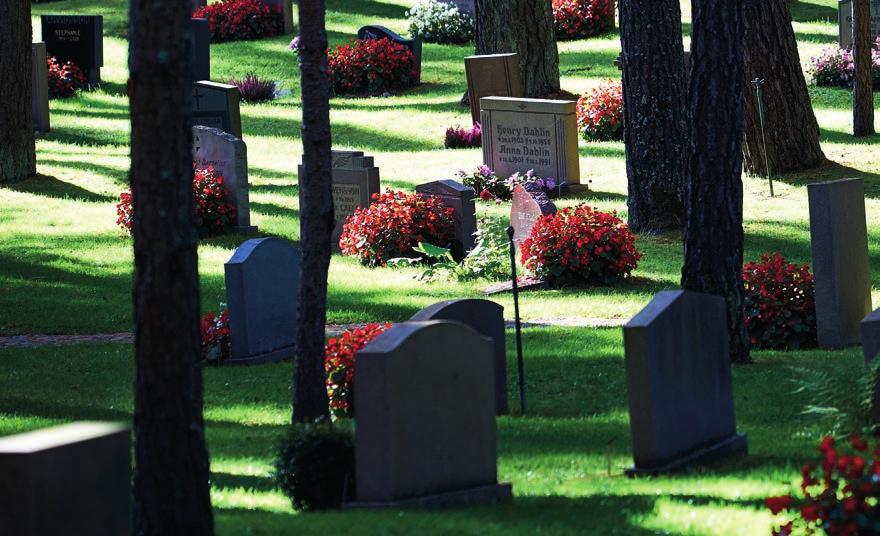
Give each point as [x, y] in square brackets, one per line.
[66, 268]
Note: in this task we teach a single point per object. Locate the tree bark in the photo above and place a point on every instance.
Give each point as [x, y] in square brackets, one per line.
[791, 129]
[713, 242]
[863, 80]
[655, 131]
[171, 480]
[316, 216]
[525, 27]
[17, 151]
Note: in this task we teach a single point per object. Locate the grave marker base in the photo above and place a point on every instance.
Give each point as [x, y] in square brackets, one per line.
[479, 496]
[731, 446]
[275, 356]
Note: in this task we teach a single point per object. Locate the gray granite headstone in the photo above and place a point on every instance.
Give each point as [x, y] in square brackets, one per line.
[845, 20]
[40, 85]
[486, 318]
[679, 383]
[839, 240]
[216, 105]
[198, 38]
[262, 292]
[529, 203]
[425, 426]
[70, 479]
[228, 155]
[870, 348]
[459, 198]
[374, 31]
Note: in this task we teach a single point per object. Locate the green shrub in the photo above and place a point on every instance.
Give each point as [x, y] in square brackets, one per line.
[440, 22]
[315, 466]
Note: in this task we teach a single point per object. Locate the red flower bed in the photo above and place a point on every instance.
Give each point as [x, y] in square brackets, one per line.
[582, 18]
[780, 303]
[580, 245]
[395, 223]
[371, 66]
[64, 80]
[339, 357]
[216, 344]
[237, 20]
[600, 112]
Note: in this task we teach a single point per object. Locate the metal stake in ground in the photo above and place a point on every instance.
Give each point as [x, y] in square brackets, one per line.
[519, 352]
[759, 94]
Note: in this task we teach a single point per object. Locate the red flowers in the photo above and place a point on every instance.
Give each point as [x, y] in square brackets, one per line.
[216, 345]
[371, 66]
[600, 112]
[65, 79]
[582, 18]
[580, 245]
[235, 20]
[395, 223]
[339, 356]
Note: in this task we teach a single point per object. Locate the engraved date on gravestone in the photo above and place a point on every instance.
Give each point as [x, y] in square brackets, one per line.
[346, 198]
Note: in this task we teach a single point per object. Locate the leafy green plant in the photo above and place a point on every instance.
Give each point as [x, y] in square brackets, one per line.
[835, 406]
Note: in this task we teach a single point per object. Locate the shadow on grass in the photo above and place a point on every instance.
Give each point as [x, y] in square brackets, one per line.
[810, 12]
[831, 170]
[48, 186]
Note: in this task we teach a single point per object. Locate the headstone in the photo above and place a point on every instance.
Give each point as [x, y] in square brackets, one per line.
[216, 105]
[492, 75]
[380, 32]
[845, 21]
[70, 479]
[285, 8]
[355, 180]
[486, 318]
[76, 38]
[40, 83]
[679, 383]
[459, 198]
[524, 134]
[196, 4]
[839, 241]
[228, 155]
[529, 203]
[262, 291]
[870, 348]
[425, 426]
[199, 41]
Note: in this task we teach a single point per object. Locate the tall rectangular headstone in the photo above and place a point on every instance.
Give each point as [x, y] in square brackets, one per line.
[70, 479]
[524, 134]
[460, 198]
[262, 291]
[76, 38]
[375, 31]
[871, 347]
[678, 383]
[40, 85]
[285, 9]
[198, 38]
[839, 241]
[216, 105]
[845, 20]
[492, 75]
[228, 156]
[425, 433]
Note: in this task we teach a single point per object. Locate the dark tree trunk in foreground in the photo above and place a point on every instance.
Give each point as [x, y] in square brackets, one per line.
[656, 120]
[316, 216]
[17, 157]
[525, 27]
[863, 88]
[713, 242]
[771, 53]
[171, 490]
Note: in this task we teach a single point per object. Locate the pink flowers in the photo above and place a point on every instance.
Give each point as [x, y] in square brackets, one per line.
[834, 66]
[463, 137]
[600, 112]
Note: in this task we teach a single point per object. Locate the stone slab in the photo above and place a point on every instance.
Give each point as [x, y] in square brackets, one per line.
[40, 85]
[492, 75]
[198, 37]
[844, 22]
[216, 105]
[76, 38]
[285, 7]
[228, 155]
[460, 198]
[870, 331]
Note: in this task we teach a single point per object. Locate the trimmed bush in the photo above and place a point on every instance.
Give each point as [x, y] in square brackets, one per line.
[315, 466]
[600, 112]
[576, 19]
[440, 22]
[240, 20]
[372, 66]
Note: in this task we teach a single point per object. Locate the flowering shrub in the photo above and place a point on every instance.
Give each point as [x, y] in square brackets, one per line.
[463, 137]
[834, 66]
[237, 20]
[216, 345]
[582, 18]
[371, 66]
[780, 303]
[339, 356]
[214, 212]
[440, 22]
[252, 89]
[486, 183]
[580, 245]
[600, 112]
[64, 80]
[548, 186]
[395, 223]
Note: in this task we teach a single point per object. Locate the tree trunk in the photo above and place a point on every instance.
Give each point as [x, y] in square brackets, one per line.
[656, 117]
[713, 242]
[863, 81]
[17, 152]
[316, 216]
[525, 27]
[171, 489]
[771, 54]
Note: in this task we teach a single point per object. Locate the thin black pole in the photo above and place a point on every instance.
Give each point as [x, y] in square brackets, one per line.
[759, 95]
[519, 352]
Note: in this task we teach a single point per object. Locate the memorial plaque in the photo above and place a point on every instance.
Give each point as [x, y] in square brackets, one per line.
[40, 88]
[524, 134]
[228, 155]
[285, 8]
[198, 38]
[460, 198]
[493, 75]
[525, 209]
[216, 105]
[379, 32]
[844, 22]
[76, 38]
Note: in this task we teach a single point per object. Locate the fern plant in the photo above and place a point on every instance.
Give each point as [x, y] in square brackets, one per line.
[833, 404]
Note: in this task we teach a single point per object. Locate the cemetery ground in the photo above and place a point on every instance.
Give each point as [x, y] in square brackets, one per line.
[65, 268]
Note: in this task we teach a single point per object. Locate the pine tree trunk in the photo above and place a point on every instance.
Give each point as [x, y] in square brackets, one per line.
[791, 129]
[656, 115]
[525, 27]
[171, 481]
[17, 152]
[863, 83]
[713, 243]
[316, 216]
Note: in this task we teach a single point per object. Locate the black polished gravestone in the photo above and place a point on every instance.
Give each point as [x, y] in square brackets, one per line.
[374, 31]
[425, 426]
[679, 383]
[216, 105]
[76, 38]
[460, 198]
[486, 318]
[262, 291]
[870, 328]
[198, 38]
